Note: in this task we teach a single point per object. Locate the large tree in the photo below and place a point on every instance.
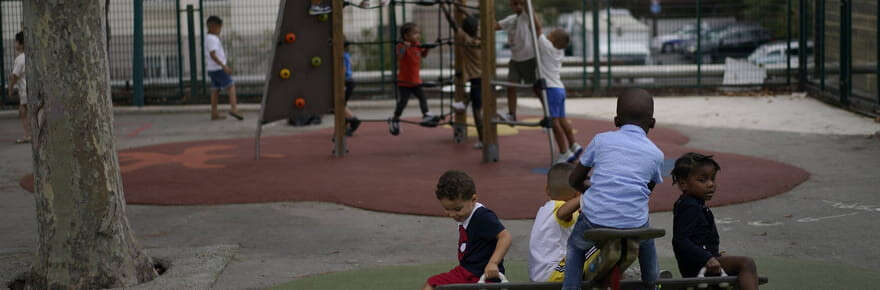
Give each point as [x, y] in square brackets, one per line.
[85, 241]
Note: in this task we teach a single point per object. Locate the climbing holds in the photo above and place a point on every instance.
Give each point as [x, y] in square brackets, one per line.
[290, 37]
[300, 103]
[316, 61]
[284, 73]
[323, 17]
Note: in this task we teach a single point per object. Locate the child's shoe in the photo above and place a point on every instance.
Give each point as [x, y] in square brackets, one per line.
[353, 124]
[576, 149]
[564, 157]
[236, 115]
[478, 145]
[394, 127]
[317, 9]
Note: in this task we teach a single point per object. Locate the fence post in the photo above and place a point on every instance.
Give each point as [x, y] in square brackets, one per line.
[3, 95]
[788, 45]
[138, 53]
[584, 44]
[202, 44]
[845, 51]
[179, 50]
[802, 44]
[596, 73]
[699, 54]
[191, 37]
[608, 41]
[877, 45]
[820, 46]
[381, 50]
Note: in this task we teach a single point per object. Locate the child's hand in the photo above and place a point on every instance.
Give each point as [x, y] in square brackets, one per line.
[713, 266]
[491, 271]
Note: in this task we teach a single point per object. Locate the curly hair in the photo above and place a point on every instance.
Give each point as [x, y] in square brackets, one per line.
[406, 28]
[687, 162]
[455, 185]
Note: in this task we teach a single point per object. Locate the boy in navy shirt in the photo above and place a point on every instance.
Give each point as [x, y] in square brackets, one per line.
[694, 235]
[482, 239]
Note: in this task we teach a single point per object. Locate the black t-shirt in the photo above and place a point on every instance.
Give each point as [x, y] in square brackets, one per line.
[482, 233]
[694, 235]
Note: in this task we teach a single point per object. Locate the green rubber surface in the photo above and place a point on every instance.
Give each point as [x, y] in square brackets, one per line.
[782, 273]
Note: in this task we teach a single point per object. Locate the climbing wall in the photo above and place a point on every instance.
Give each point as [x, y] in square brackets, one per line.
[300, 77]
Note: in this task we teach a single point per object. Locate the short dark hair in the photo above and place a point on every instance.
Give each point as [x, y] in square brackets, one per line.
[687, 162]
[19, 37]
[557, 179]
[406, 28]
[471, 25]
[455, 185]
[214, 19]
[562, 35]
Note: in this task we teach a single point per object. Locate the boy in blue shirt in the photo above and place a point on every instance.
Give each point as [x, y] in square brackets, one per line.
[482, 239]
[352, 120]
[625, 167]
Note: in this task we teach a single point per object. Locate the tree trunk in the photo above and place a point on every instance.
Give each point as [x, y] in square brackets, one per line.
[85, 241]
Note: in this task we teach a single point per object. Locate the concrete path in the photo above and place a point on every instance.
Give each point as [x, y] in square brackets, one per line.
[829, 218]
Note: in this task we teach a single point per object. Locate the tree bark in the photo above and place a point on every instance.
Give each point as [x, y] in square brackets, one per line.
[85, 241]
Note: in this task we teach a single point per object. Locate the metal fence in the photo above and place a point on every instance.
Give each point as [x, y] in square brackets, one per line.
[615, 43]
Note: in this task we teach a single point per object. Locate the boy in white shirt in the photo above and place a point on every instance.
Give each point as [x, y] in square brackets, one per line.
[522, 51]
[18, 83]
[218, 70]
[551, 48]
[553, 224]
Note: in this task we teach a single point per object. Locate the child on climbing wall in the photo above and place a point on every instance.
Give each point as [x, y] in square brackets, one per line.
[694, 235]
[409, 59]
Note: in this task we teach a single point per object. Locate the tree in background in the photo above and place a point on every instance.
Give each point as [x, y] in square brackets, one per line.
[84, 239]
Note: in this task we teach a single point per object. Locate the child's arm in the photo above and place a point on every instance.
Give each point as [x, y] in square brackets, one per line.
[685, 224]
[501, 247]
[568, 208]
[217, 60]
[578, 178]
[12, 83]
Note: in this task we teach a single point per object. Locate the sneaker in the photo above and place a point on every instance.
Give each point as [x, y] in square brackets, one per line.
[394, 127]
[319, 9]
[665, 274]
[218, 117]
[23, 140]
[576, 148]
[428, 118]
[459, 106]
[353, 125]
[236, 115]
[508, 117]
[478, 145]
[563, 158]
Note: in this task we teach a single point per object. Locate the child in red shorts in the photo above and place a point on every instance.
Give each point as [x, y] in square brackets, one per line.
[482, 239]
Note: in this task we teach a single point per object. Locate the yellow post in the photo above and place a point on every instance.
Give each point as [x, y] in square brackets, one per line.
[460, 120]
[487, 35]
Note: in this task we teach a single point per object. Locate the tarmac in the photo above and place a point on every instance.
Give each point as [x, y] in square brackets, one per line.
[830, 218]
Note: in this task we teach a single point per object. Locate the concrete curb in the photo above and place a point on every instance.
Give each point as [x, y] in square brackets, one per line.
[190, 268]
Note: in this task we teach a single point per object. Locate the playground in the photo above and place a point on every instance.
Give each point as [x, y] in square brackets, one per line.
[345, 200]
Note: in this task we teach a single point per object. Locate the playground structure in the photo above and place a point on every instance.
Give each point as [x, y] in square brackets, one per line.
[297, 80]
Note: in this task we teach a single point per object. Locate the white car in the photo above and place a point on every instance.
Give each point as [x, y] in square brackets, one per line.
[775, 52]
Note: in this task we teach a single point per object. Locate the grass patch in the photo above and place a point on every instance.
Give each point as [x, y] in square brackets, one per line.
[783, 273]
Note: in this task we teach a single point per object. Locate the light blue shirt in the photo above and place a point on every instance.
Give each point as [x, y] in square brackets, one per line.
[622, 162]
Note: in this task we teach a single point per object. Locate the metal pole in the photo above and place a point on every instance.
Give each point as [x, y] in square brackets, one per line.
[3, 95]
[820, 45]
[179, 49]
[608, 41]
[877, 40]
[699, 54]
[816, 24]
[788, 46]
[584, 44]
[543, 93]
[381, 50]
[191, 36]
[202, 44]
[802, 44]
[845, 52]
[392, 34]
[138, 53]
[596, 73]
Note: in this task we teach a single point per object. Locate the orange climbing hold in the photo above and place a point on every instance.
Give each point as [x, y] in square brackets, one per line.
[290, 37]
[300, 103]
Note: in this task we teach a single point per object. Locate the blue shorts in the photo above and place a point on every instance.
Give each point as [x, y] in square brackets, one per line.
[556, 102]
[220, 79]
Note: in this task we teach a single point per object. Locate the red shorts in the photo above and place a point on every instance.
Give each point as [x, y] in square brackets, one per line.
[457, 275]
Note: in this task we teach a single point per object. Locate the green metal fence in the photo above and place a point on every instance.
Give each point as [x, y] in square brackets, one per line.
[615, 43]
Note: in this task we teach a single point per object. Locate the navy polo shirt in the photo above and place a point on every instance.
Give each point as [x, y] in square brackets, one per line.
[482, 230]
[694, 235]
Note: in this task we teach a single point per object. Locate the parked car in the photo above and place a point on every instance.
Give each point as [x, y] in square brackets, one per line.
[673, 41]
[776, 52]
[735, 40]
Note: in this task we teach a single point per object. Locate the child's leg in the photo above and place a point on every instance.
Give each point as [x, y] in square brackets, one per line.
[233, 99]
[403, 99]
[215, 95]
[558, 135]
[575, 254]
[423, 101]
[566, 129]
[513, 76]
[349, 89]
[743, 267]
[427, 287]
[25, 122]
[648, 262]
[511, 101]
[476, 99]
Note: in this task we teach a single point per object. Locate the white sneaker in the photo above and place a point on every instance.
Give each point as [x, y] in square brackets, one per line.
[563, 158]
[575, 147]
[459, 106]
[478, 145]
